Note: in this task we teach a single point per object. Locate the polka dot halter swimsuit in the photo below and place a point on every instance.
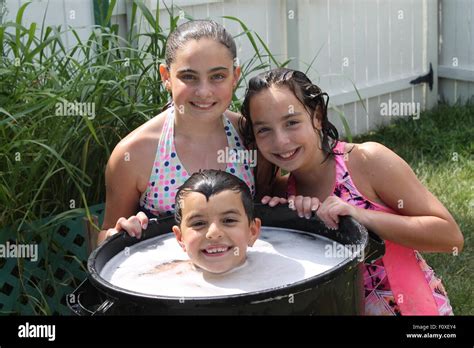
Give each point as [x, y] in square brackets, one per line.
[168, 173]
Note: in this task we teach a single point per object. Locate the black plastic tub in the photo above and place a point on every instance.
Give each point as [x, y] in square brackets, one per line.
[338, 291]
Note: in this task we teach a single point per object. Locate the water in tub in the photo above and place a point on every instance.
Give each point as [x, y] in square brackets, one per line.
[158, 266]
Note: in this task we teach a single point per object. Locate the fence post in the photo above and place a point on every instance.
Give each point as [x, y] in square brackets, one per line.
[292, 35]
[430, 49]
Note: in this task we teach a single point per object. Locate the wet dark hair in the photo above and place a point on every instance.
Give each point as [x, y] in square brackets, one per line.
[195, 30]
[310, 95]
[211, 182]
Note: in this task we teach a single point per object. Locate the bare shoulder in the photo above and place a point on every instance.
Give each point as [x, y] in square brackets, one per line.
[371, 166]
[133, 156]
[365, 156]
[234, 118]
[376, 162]
[139, 137]
[367, 149]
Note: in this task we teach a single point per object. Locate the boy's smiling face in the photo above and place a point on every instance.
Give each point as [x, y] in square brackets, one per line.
[216, 232]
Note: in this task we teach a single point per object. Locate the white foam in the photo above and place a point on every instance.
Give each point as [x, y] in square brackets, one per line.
[158, 266]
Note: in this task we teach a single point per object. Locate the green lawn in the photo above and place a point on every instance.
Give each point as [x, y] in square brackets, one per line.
[439, 147]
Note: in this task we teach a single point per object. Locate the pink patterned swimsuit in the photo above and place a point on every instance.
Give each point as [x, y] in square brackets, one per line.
[379, 298]
[168, 173]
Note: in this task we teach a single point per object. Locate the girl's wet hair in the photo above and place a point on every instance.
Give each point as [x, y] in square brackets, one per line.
[195, 30]
[211, 182]
[310, 95]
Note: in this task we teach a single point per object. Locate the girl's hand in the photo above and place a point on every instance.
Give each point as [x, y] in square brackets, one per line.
[133, 225]
[305, 206]
[332, 208]
[273, 201]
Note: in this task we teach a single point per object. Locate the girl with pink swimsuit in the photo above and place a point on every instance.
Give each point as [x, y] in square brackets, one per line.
[286, 118]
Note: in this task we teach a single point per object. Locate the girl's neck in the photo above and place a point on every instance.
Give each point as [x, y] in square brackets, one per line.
[193, 128]
[316, 179]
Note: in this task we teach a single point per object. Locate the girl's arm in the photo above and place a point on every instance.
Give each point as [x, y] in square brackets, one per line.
[122, 194]
[424, 224]
[126, 177]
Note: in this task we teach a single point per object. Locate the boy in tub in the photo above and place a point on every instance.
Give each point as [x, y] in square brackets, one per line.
[215, 216]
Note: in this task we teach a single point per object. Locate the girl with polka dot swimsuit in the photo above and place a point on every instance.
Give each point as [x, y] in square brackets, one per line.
[168, 173]
[147, 166]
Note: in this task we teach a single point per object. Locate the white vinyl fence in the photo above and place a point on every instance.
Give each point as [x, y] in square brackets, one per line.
[364, 53]
[456, 54]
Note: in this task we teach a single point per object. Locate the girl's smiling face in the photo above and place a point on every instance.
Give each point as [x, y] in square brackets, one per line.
[284, 132]
[201, 78]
